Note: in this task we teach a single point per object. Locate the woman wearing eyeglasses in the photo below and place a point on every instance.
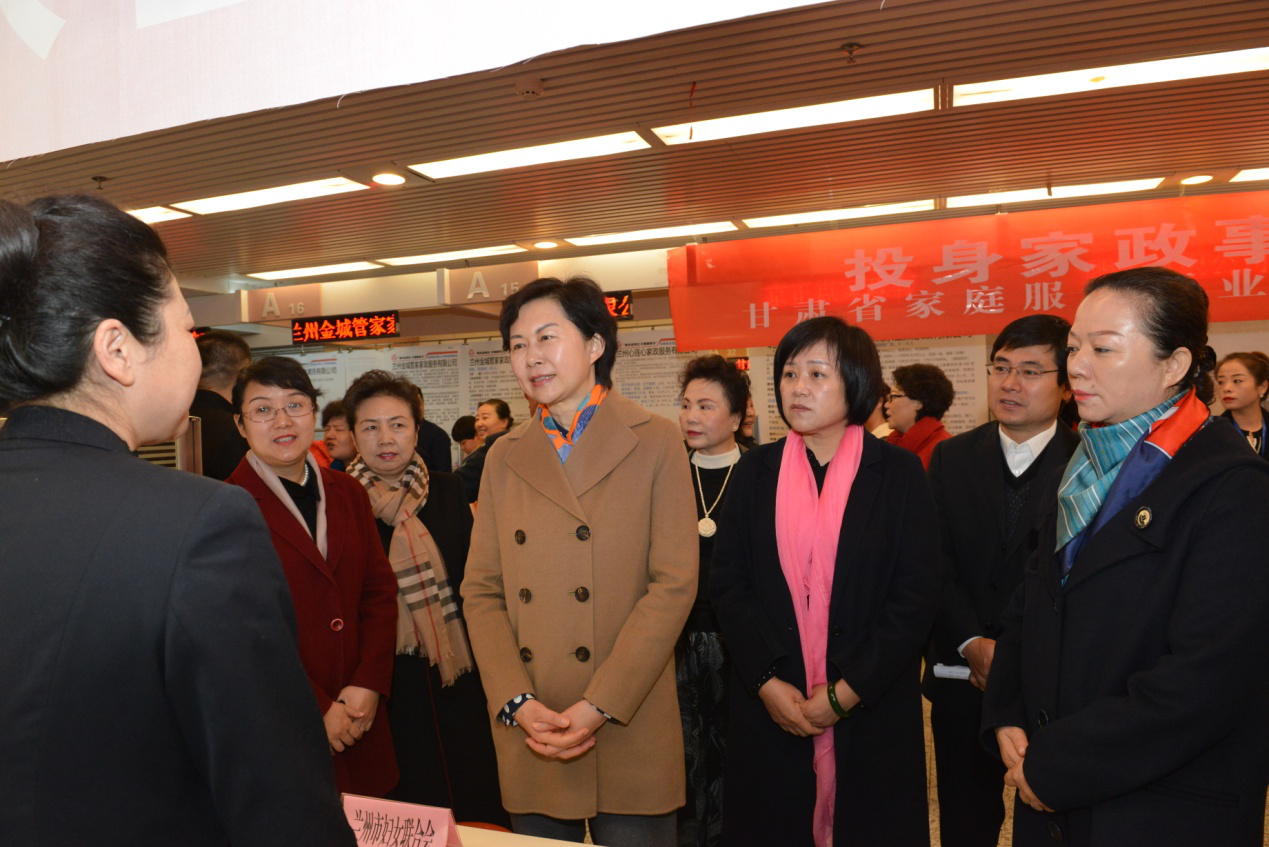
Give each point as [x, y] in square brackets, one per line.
[343, 590]
[922, 394]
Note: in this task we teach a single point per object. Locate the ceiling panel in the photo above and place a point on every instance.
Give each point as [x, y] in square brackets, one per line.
[771, 61]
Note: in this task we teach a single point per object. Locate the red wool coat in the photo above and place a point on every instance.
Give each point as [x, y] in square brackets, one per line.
[346, 611]
[921, 438]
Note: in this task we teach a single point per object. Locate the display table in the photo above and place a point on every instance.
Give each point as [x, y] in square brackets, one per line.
[473, 837]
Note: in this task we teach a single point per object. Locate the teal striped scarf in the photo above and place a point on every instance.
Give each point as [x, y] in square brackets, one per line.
[1094, 467]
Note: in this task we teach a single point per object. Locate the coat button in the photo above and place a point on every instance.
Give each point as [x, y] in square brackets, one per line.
[992, 586]
[837, 630]
[583, 533]
[519, 536]
[582, 654]
[526, 655]
[337, 624]
[1043, 720]
[582, 594]
[1055, 832]
[525, 595]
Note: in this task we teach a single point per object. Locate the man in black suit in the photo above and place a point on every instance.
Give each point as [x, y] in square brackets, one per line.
[433, 444]
[987, 485]
[224, 355]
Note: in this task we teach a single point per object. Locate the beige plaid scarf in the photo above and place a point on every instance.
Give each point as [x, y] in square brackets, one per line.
[428, 619]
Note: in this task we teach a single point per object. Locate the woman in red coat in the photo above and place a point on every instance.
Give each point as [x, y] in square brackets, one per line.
[915, 407]
[343, 590]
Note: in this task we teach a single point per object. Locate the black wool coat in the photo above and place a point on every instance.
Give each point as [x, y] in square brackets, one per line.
[1141, 682]
[885, 588]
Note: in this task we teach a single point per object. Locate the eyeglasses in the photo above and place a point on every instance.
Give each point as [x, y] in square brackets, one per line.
[1028, 373]
[294, 409]
[894, 395]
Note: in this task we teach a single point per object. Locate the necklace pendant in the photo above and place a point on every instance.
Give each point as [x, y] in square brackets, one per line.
[706, 527]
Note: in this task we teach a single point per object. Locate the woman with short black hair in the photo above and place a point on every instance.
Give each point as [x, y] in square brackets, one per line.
[1127, 694]
[922, 394]
[343, 590]
[153, 694]
[825, 583]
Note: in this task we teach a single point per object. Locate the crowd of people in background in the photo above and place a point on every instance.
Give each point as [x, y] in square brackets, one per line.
[605, 622]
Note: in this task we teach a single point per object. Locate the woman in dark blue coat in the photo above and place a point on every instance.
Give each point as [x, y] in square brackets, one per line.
[824, 583]
[1128, 693]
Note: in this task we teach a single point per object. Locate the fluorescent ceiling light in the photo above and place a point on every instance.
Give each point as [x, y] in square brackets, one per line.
[652, 234]
[1250, 175]
[1113, 76]
[1029, 195]
[842, 214]
[268, 196]
[1197, 179]
[859, 109]
[453, 256]
[157, 214]
[562, 151]
[321, 270]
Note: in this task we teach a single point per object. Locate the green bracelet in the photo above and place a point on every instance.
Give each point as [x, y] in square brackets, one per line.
[837, 707]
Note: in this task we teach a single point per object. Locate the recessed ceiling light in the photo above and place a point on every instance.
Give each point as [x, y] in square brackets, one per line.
[454, 255]
[561, 151]
[653, 234]
[1197, 179]
[1250, 175]
[858, 109]
[389, 178]
[269, 196]
[322, 270]
[546, 245]
[1029, 195]
[841, 214]
[157, 214]
[1114, 76]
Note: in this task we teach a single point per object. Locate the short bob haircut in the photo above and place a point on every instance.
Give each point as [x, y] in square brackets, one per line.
[583, 303]
[857, 362]
[67, 263]
[501, 409]
[464, 429]
[334, 409]
[929, 386]
[275, 372]
[1172, 309]
[1037, 331]
[379, 383]
[716, 369]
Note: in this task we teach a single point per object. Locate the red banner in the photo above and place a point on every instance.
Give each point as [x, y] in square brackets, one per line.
[966, 276]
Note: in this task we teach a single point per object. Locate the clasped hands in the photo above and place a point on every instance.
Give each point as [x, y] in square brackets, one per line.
[350, 717]
[559, 735]
[1013, 752]
[800, 715]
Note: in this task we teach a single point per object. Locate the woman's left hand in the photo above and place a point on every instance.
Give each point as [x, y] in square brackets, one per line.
[362, 705]
[820, 712]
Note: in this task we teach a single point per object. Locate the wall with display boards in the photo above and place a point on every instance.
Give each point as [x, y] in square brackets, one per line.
[455, 378]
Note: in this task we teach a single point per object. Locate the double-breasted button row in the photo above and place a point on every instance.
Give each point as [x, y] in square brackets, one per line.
[526, 655]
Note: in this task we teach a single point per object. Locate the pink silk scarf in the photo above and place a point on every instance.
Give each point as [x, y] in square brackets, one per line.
[808, 525]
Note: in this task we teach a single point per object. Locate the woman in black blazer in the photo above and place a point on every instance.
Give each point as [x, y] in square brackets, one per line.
[153, 693]
[862, 646]
[1128, 692]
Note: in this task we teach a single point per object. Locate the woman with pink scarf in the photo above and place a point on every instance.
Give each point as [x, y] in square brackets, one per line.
[825, 581]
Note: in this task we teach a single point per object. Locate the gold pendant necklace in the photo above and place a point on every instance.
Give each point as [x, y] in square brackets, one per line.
[706, 526]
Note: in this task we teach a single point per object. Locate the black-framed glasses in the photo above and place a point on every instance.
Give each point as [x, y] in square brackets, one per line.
[894, 395]
[1030, 373]
[294, 409]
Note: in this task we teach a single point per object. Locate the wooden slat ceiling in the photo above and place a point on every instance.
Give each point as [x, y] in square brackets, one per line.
[772, 61]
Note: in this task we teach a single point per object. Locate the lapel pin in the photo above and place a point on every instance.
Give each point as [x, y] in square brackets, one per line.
[1143, 517]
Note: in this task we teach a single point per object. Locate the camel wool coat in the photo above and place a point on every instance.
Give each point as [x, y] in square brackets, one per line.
[579, 580]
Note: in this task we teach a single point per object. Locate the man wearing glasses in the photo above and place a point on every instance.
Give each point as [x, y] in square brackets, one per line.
[987, 484]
